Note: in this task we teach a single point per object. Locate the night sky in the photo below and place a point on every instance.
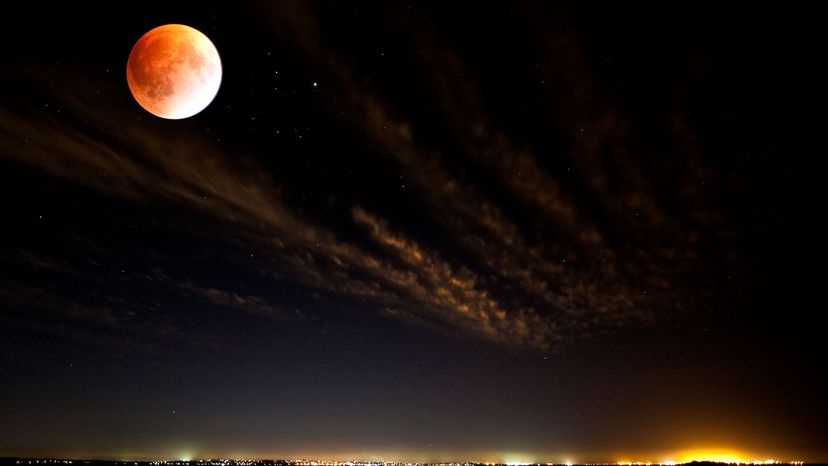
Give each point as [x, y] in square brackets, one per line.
[511, 231]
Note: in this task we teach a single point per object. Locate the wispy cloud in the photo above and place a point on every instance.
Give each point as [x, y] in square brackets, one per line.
[253, 304]
[90, 320]
[576, 279]
[564, 272]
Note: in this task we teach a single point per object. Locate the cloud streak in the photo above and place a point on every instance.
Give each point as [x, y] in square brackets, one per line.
[534, 281]
[137, 166]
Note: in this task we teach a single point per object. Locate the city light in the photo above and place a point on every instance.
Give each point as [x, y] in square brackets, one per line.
[731, 460]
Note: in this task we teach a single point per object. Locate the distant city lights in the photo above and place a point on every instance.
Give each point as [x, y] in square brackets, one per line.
[306, 462]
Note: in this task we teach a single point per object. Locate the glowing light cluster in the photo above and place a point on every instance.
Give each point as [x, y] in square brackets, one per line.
[710, 458]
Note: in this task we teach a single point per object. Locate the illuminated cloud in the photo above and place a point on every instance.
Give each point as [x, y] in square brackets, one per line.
[571, 268]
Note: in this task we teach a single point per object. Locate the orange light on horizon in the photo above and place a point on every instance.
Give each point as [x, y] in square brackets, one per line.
[715, 455]
[718, 455]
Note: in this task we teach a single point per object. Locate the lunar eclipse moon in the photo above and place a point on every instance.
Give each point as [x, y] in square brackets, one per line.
[174, 71]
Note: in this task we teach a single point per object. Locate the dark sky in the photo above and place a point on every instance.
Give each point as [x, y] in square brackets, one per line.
[503, 231]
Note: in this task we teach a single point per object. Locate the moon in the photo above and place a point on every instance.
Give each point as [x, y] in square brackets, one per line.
[174, 71]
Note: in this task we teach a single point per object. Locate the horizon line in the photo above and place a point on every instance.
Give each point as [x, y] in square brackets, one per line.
[361, 462]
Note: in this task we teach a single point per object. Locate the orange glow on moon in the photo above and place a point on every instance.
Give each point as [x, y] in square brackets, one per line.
[174, 71]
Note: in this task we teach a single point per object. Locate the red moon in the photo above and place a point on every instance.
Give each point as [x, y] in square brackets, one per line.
[174, 71]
